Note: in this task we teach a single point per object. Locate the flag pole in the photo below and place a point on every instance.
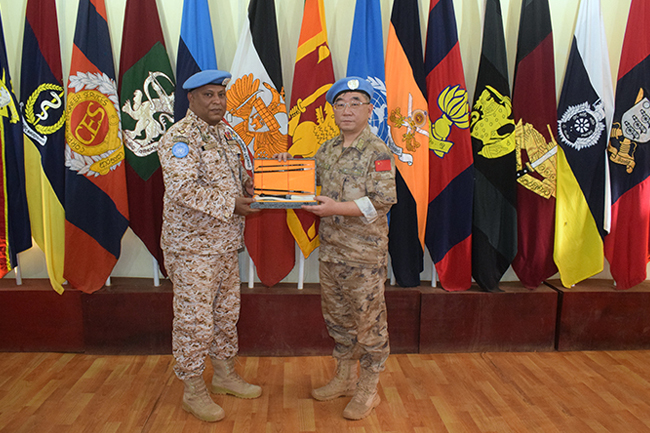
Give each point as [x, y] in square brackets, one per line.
[156, 277]
[251, 273]
[19, 278]
[301, 270]
[108, 281]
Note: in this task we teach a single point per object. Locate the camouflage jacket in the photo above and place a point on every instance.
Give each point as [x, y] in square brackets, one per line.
[364, 173]
[203, 174]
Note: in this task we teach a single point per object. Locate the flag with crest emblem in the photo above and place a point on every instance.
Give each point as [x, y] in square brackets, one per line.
[96, 205]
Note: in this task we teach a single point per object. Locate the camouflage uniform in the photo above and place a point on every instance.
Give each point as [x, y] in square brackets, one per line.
[354, 250]
[201, 237]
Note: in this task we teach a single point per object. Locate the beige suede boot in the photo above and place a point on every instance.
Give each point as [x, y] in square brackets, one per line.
[226, 380]
[343, 384]
[365, 398]
[197, 401]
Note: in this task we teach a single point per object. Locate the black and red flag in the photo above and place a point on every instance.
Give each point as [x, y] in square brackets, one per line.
[627, 246]
[534, 107]
[494, 232]
[147, 102]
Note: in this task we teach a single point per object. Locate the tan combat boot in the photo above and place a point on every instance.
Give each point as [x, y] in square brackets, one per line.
[226, 380]
[197, 401]
[365, 398]
[343, 384]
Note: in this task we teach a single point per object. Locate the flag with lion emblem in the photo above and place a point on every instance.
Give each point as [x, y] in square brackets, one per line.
[147, 103]
[258, 113]
[96, 207]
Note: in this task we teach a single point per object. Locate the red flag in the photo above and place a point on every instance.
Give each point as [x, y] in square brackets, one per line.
[96, 207]
[534, 109]
[627, 246]
[311, 118]
[258, 113]
[147, 102]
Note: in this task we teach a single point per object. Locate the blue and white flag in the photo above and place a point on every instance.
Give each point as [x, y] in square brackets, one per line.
[585, 114]
[195, 49]
[366, 59]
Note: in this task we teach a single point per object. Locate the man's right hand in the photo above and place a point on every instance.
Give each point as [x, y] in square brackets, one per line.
[243, 206]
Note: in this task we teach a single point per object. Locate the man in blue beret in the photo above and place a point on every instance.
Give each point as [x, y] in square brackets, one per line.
[356, 171]
[207, 195]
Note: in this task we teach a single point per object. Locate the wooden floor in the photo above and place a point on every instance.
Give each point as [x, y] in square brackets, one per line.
[469, 392]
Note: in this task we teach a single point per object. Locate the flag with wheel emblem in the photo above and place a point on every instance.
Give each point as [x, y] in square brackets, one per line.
[258, 113]
[585, 114]
[535, 113]
[96, 205]
[195, 49]
[409, 128]
[43, 106]
[147, 102]
[15, 233]
[627, 246]
[451, 170]
[311, 117]
[492, 126]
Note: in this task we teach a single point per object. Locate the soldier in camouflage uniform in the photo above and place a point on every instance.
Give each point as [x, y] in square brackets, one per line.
[357, 173]
[207, 194]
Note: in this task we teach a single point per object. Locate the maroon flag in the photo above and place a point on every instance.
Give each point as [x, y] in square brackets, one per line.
[534, 108]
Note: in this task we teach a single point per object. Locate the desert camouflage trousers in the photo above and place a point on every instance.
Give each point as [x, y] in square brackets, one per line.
[354, 309]
[206, 309]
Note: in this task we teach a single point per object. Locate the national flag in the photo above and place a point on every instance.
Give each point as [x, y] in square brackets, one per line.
[96, 205]
[584, 116]
[535, 111]
[43, 107]
[494, 232]
[195, 49]
[15, 233]
[409, 123]
[258, 113]
[451, 169]
[147, 102]
[311, 117]
[627, 246]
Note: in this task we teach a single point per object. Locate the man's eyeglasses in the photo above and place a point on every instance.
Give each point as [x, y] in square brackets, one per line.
[354, 105]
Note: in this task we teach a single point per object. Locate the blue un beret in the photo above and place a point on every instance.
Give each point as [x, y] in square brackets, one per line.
[349, 84]
[209, 76]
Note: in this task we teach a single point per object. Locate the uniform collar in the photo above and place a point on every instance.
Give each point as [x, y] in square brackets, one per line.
[202, 124]
[360, 142]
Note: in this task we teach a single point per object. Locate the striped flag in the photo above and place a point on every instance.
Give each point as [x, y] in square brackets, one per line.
[311, 117]
[585, 114]
[96, 206]
[535, 111]
[195, 49]
[15, 233]
[147, 102]
[451, 170]
[409, 128]
[627, 246]
[258, 113]
[494, 232]
[43, 107]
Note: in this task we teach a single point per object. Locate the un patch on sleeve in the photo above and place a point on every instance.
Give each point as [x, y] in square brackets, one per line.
[180, 149]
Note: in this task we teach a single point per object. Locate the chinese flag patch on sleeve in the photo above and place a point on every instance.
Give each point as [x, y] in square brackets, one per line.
[382, 165]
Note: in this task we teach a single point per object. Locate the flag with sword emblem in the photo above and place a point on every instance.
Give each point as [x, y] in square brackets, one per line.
[96, 205]
[535, 113]
[627, 246]
[43, 106]
[494, 232]
[451, 170]
[147, 102]
[258, 113]
[409, 128]
[15, 233]
[195, 49]
[584, 116]
[311, 117]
